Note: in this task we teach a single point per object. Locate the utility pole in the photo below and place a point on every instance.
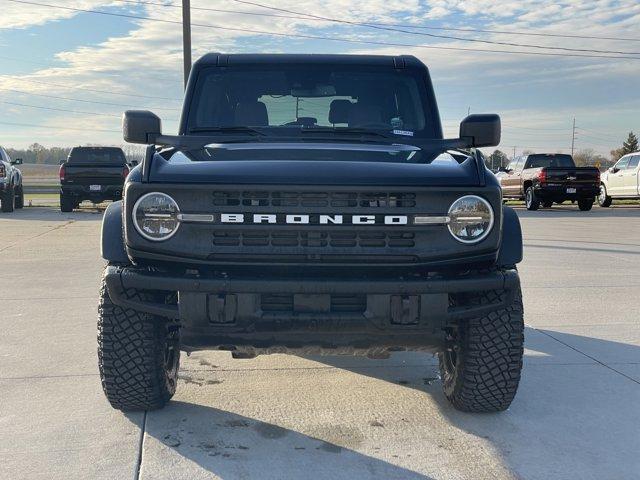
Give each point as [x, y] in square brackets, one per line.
[186, 39]
[514, 152]
[468, 111]
[573, 135]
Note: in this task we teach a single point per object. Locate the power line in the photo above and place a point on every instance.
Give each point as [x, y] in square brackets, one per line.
[93, 90]
[304, 16]
[321, 37]
[546, 147]
[432, 35]
[601, 139]
[82, 100]
[60, 109]
[535, 129]
[48, 65]
[49, 127]
[537, 133]
[40, 107]
[600, 133]
[23, 60]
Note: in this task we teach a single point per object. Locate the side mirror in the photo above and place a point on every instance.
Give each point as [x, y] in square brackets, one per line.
[481, 130]
[503, 169]
[17, 161]
[138, 126]
[614, 170]
[134, 163]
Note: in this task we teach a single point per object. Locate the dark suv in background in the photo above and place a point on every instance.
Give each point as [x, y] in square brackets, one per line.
[11, 191]
[92, 173]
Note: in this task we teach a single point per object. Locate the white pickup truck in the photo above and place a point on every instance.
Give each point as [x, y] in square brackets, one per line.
[622, 181]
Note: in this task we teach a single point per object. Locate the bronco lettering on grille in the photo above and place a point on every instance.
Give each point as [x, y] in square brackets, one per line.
[304, 219]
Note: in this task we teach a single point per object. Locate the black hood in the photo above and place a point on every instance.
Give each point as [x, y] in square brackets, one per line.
[291, 172]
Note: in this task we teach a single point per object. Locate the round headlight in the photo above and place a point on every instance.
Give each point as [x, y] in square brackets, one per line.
[155, 216]
[470, 219]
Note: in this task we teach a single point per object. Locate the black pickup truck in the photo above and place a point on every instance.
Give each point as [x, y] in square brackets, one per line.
[92, 173]
[544, 178]
[309, 204]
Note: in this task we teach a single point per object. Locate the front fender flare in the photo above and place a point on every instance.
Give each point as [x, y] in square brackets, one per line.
[511, 244]
[112, 236]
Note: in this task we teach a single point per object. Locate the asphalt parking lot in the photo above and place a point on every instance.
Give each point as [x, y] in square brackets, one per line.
[576, 415]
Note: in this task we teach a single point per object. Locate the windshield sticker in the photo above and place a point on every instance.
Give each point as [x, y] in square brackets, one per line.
[406, 133]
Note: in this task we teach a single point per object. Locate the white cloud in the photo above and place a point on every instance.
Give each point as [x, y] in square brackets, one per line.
[16, 15]
[147, 61]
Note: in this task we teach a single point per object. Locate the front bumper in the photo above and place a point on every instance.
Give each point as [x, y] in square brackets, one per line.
[265, 314]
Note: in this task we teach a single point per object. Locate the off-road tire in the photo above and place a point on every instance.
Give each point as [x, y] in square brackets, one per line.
[604, 200]
[20, 198]
[66, 203]
[530, 199]
[481, 367]
[547, 204]
[585, 204]
[8, 200]
[132, 355]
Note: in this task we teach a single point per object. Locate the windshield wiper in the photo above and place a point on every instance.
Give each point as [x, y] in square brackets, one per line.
[249, 130]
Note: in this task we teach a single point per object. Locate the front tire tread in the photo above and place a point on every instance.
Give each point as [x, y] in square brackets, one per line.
[131, 356]
[490, 353]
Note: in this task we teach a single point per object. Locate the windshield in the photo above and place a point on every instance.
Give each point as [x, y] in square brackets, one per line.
[309, 96]
[538, 161]
[103, 156]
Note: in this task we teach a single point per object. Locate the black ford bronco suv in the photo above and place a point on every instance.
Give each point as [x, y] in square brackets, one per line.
[309, 204]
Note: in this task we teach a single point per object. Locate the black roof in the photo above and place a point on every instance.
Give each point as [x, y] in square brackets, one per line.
[96, 148]
[278, 58]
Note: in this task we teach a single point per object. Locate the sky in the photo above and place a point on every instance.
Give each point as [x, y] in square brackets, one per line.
[66, 75]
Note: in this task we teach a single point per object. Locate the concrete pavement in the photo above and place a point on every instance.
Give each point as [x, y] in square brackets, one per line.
[576, 414]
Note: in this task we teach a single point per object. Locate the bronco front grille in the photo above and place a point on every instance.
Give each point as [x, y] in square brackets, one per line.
[263, 198]
[304, 238]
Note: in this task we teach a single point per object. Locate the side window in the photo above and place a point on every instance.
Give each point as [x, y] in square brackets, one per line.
[633, 162]
[622, 163]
